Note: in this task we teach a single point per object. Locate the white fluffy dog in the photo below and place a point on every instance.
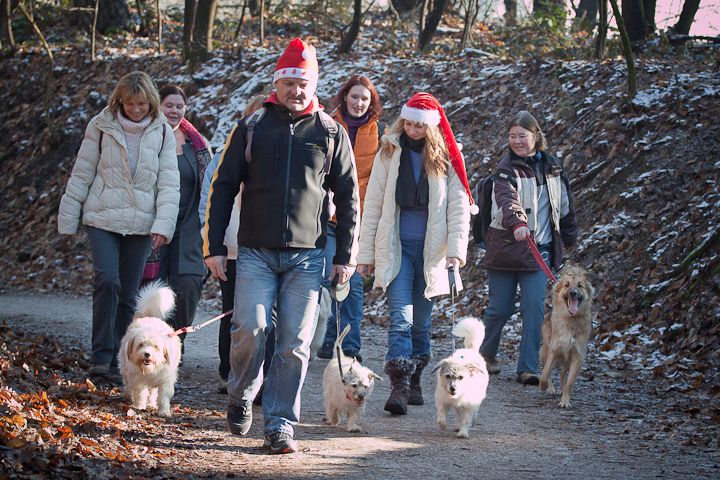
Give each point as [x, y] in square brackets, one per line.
[347, 394]
[462, 378]
[149, 355]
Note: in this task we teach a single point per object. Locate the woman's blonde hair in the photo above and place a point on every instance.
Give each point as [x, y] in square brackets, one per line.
[255, 103]
[135, 84]
[525, 120]
[435, 154]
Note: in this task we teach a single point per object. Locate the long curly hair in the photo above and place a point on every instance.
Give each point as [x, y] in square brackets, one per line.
[375, 109]
[435, 153]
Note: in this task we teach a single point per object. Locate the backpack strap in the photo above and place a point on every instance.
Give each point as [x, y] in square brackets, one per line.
[250, 123]
[381, 131]
[100, 142]
[331, 127]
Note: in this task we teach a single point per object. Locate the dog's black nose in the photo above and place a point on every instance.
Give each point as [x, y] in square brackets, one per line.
[574, 293]
[147, 355]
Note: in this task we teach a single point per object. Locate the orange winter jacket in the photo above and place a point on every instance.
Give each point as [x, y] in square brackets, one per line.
[366, 146]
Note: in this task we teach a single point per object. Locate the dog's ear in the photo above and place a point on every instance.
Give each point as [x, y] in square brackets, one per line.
[166, 353]
[475, 369]
[376, 376]
[130, 348]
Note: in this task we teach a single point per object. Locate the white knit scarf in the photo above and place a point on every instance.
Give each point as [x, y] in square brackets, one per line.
[133, 133]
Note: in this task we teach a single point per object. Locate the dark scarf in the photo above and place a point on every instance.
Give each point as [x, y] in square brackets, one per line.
[536, 164]
[353, 123]
[408, 193]
[202, 155]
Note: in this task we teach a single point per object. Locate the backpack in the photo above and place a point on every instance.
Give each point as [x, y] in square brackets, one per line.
[331, 127]
[483, 199]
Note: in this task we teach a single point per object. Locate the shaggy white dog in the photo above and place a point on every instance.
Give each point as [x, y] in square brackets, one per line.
[149, 354]
[462, 378]
[346, 395]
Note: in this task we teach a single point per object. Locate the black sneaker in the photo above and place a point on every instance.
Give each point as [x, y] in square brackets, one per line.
[493, 366]
[280, 442]
[353, 354]
[106, 373]
[527, 378]
[239, 418]
[326, 350]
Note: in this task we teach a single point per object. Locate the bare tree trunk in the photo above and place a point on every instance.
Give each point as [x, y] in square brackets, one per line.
[159, 22]
[141, 13]
[687, 16]
[405, 6]
[432, 23]
[94, 28]
[421, 20]
[639, 18]
[471, 13]
[602, 29]
[627, 50]
[6, 17]
[188, 27]
[586, 15]
[37, 31]
[262, 22]
[111, 14]
[351, 35]
[510, 12]
[241, 21]
[202, 32]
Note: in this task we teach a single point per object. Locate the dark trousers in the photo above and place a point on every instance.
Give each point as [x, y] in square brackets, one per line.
[187, 288]
[118, 262]
[228, 302]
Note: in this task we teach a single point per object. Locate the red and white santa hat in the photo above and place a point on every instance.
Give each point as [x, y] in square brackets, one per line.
[425, 109]
[299, 60]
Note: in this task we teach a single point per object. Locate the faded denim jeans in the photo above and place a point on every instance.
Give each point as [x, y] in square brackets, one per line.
[410, 311]
[293, 276]
[503, 286]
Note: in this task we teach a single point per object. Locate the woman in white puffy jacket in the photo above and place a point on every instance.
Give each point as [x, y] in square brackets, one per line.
[125, 189]
[415, 225]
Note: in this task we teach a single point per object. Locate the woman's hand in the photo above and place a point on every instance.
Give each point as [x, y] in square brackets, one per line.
[521, 233]
[158, 240]
[452, 262]
[365, 270]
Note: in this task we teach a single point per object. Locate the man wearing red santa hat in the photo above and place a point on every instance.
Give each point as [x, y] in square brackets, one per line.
[287, 158]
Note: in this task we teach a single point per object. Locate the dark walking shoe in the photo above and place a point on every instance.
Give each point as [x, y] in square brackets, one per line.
[222, 387]
[493, 366]
[105, 373]
[326, 350]
[527, 378]
[280, 442]
[353, 354]
[239, 418]
[258, 397]
[415, 397]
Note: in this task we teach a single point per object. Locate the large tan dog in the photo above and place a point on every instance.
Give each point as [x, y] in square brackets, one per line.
[566, 331]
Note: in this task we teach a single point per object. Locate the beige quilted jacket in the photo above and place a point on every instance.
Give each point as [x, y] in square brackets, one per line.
[102, 189]
[447, 229]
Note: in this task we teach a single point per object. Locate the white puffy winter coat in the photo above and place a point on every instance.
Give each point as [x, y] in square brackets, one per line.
[447, 228]
[102, 189]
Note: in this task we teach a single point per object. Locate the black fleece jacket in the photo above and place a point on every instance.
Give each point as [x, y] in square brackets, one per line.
[285, 194]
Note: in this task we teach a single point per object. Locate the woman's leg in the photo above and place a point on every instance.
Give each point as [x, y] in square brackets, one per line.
[227, 289]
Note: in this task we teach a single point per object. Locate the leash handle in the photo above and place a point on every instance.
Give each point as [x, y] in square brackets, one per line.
[538, 258]
[453, 293]
[195, 328]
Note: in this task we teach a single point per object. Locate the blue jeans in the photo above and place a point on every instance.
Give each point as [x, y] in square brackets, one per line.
[293, 276]
[351, 309]
[410, 311]
[118, 262]
[503, 285]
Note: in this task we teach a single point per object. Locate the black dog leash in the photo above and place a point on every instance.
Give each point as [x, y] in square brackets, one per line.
[453, 294]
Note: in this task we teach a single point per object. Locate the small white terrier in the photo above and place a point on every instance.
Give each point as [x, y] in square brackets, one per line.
[462, 378]
[347, 394]
[149, 355]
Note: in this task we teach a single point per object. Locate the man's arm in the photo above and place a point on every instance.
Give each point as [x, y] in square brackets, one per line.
[344, 185]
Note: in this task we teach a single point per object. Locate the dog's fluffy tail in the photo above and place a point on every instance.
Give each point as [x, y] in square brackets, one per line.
[472, 330]
[156, 299]
[338, 342]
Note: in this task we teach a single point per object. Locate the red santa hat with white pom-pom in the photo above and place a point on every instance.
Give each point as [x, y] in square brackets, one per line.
[425, 109]
[299, 60]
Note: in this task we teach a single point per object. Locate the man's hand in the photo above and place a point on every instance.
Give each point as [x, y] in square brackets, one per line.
[217, 266]
[365, 270]
[343, 272]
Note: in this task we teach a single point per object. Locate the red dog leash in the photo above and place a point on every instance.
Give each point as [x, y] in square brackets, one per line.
[195, 328]
[539, 259]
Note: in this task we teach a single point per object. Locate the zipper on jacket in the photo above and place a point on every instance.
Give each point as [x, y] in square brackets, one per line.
[287, 183]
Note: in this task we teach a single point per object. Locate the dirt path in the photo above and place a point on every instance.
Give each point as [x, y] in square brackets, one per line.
[611, 431]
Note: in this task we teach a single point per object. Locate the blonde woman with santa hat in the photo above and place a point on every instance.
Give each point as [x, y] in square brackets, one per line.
[287, 162]
[415, 225]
